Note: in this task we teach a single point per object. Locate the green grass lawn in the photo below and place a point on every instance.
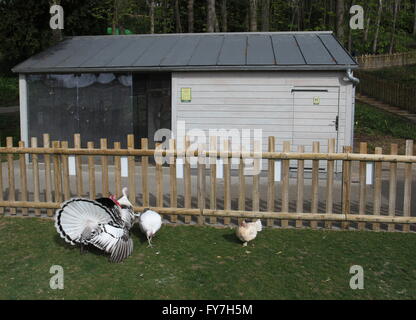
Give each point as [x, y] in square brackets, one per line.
[190, 262]
[380, 128]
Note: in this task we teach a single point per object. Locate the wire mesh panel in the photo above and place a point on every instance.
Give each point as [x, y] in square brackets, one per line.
[94, 105]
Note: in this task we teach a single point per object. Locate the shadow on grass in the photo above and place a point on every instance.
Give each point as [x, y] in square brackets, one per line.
[87, 249]
[231, 237]
[137, 233]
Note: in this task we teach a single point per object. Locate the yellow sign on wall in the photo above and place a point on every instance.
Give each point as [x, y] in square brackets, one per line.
[186, 95]
[316, 100]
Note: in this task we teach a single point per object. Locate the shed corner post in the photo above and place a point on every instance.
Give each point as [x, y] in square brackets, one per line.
[23, 97]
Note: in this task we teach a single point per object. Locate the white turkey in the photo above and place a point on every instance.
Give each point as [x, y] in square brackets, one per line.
[150, 222]
[104, 223]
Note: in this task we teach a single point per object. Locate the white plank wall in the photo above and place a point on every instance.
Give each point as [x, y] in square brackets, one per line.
[253, 100]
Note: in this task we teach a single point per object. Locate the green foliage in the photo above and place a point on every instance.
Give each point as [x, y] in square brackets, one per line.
[25, 30]
[404, 26]
[403, 75]
[9, 122]
[9, 127]
[208, 263]
[9, 91]
[372, 121]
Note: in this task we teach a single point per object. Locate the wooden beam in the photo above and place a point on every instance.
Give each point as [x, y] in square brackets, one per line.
[78, 164]
[263, 155]
[330, 182]
[407, 202]
[145, 176]
[227, 181]
[315, 183]
[363, 184]
[377, 188]
[285, 183]
[23, 177]
[132, 170]
[117, 171]
[35, 172]
[241, 214]
[65, 173]
[172, 179]
[300, 186]
[213, 147]
[346, 185]
[104, 169]
[271, 192]
[392, 185]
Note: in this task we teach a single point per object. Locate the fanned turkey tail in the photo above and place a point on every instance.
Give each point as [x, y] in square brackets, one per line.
[78, 219]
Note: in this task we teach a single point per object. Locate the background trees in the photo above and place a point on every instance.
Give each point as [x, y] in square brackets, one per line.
[389, 25]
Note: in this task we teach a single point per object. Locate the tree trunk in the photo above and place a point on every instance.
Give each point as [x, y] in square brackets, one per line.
[310, 14]
[331, 17]
[340, 20]
[217, 24]
[211, 16]
[190, 16]
[224, 15]
[178, 17]
[253, 15]
[115, 17]
[151, 4]
[367, 27]
[393, 33]
[247, 21]
[292, 20]
[165, 16]
[350, 32]
[265, 15]
[301, 15]
[380, 10]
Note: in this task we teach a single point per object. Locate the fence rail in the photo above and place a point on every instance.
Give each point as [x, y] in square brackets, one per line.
[392, 93]
[379, 61]
[290, 191]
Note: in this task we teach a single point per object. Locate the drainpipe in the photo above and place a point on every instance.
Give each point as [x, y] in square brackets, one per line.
[353, 79]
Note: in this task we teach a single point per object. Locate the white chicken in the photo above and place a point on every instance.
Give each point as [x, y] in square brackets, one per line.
[247, 231]
[150, 222]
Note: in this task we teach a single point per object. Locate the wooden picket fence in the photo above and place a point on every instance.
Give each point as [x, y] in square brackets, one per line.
[390, 92]
[379, 61]
[50, 174]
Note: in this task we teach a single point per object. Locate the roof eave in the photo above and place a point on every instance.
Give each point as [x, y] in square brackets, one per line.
[189, 68]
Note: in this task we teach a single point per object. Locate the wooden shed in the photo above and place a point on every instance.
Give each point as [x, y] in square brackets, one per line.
[296, 86]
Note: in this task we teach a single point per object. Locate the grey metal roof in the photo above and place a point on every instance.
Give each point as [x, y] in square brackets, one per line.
[180, 52]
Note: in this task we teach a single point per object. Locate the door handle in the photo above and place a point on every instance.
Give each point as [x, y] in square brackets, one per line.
[335, 123]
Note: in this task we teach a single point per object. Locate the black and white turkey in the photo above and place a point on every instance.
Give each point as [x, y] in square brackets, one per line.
[104, 223]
